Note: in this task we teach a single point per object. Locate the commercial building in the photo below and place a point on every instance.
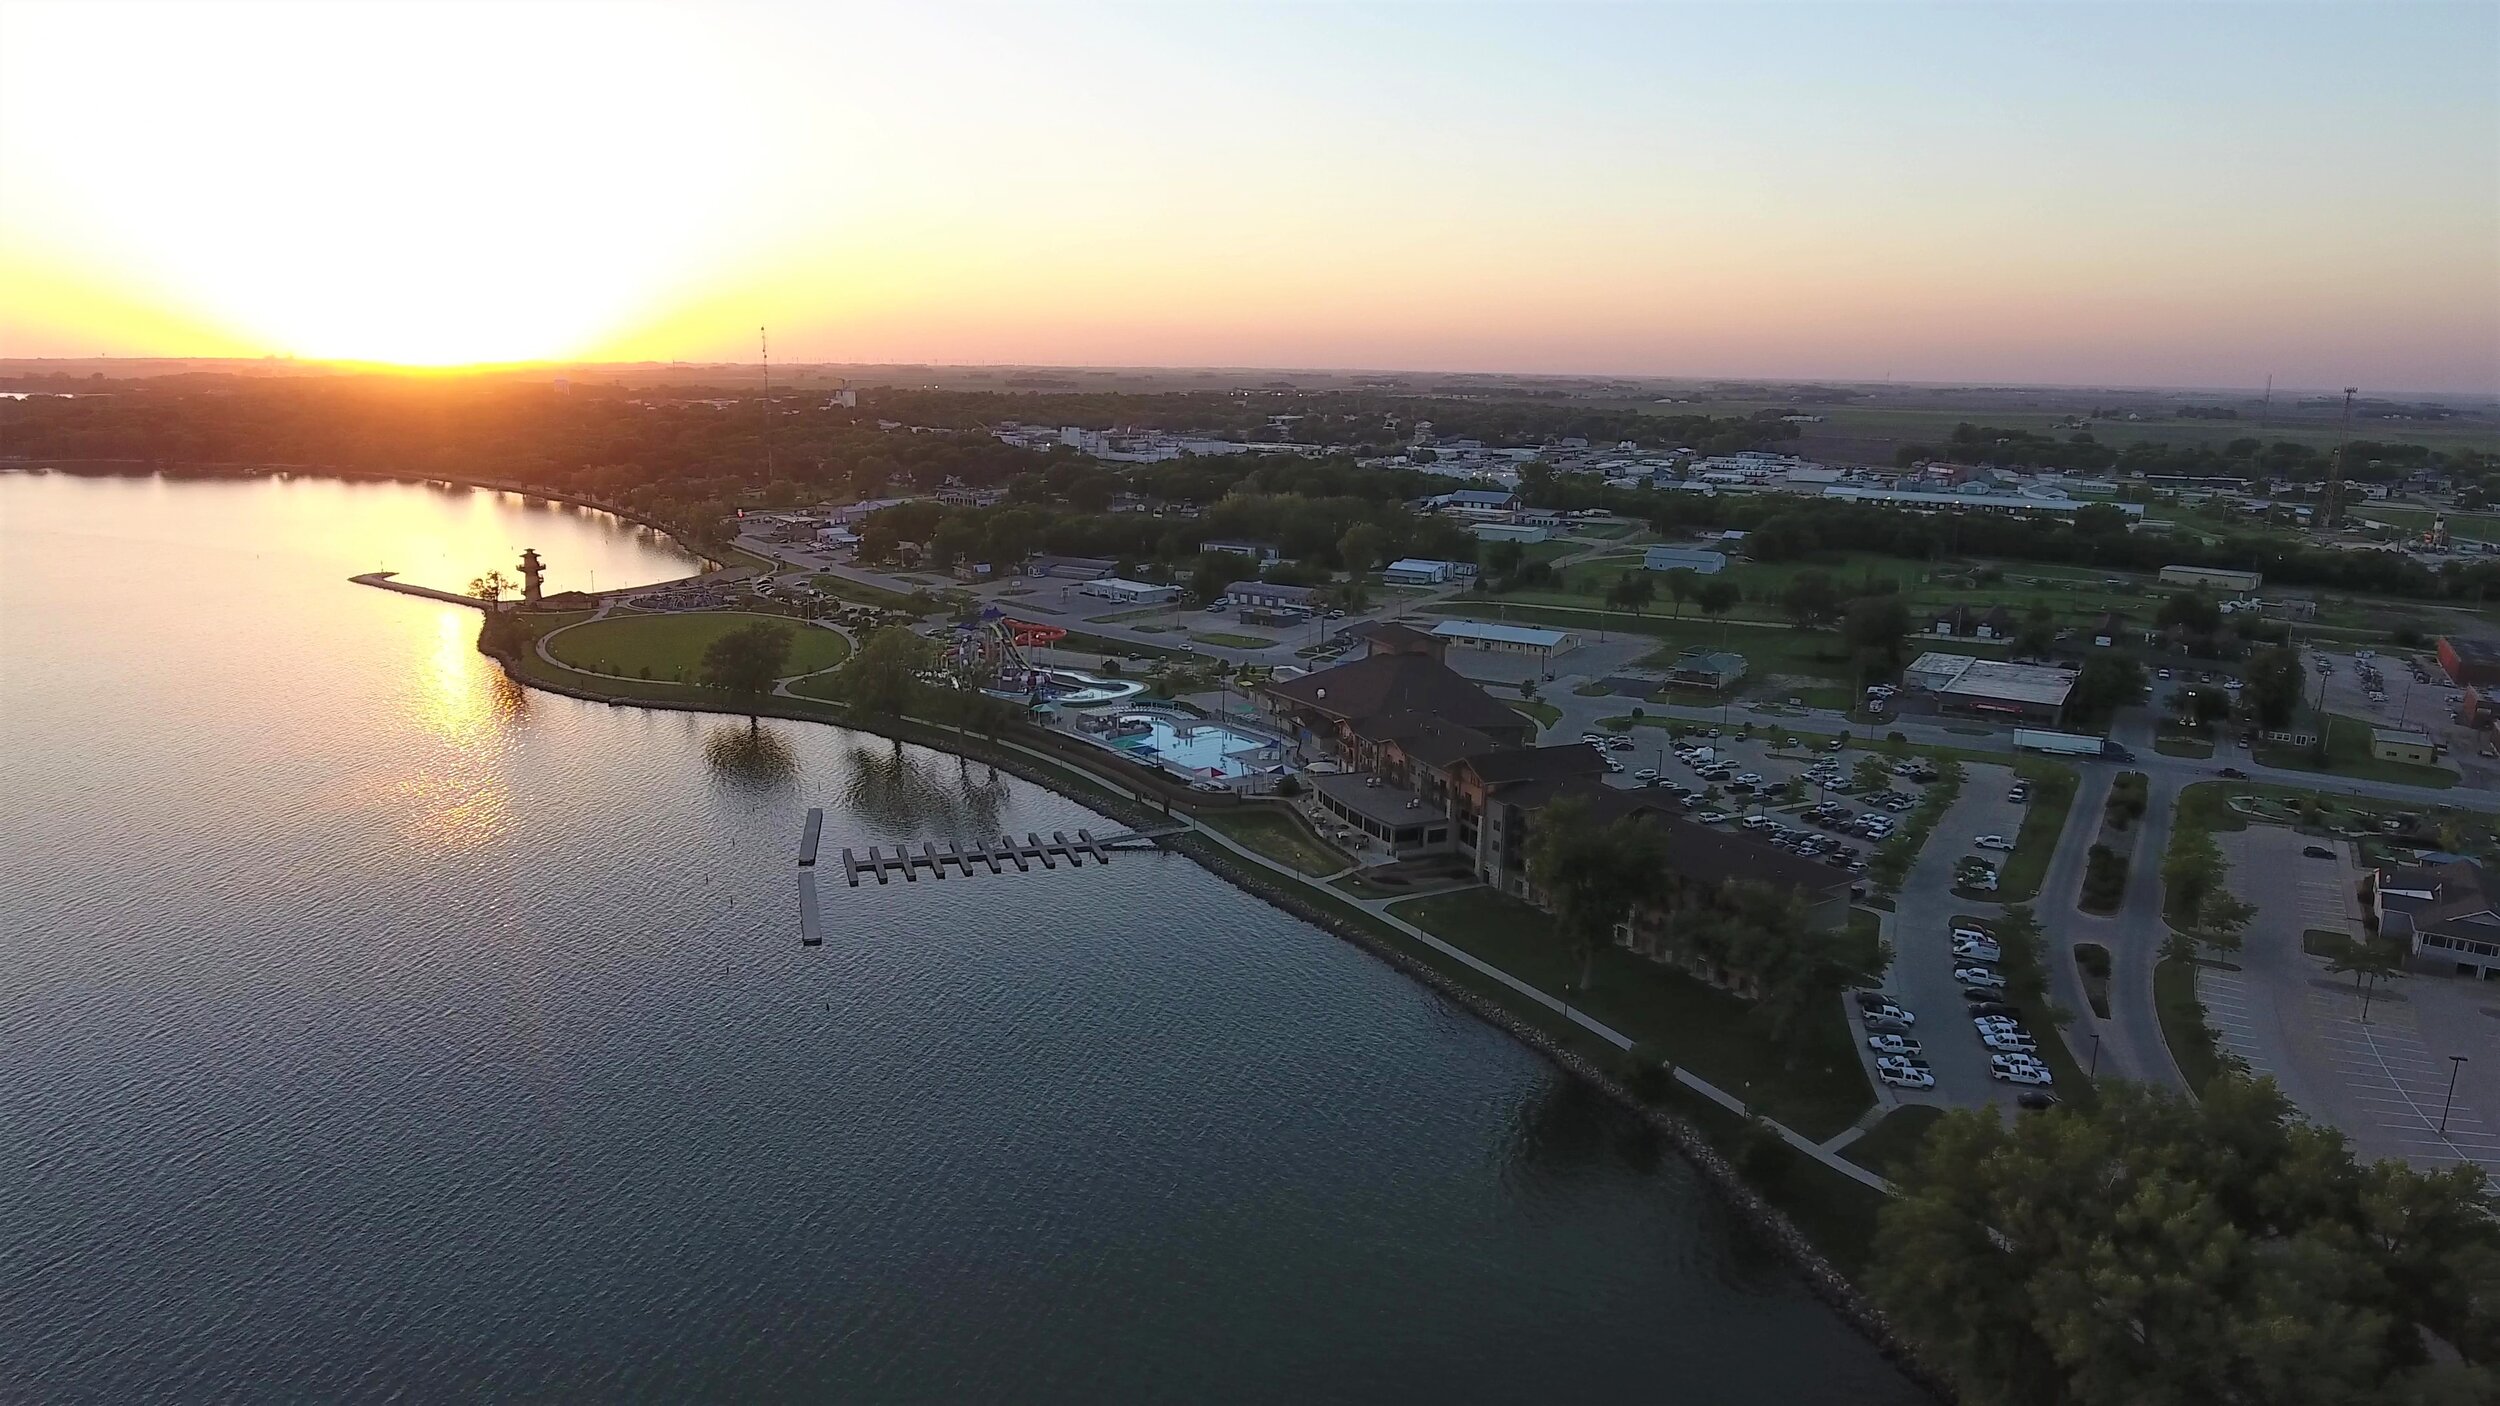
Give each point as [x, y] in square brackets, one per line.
[1505, 639]
[1695, 559]
[1070, 568]
[2469, 662]
[1257, 551]
[1973, 687]
[2213, 576]
[2444, 915]
[1469, 502]
[2020, 504]
[1523, 532]
[1412, 571]
[2403, 744]
[1271, 596]
[1715, 670]
[1129, 592]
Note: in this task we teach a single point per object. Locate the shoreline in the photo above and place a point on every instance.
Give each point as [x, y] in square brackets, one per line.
[1824, 1280]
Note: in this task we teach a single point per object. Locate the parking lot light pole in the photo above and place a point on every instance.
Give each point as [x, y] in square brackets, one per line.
[2455, 1063]
[2095, 1071]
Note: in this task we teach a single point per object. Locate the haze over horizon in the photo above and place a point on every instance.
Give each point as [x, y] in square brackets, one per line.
[2045, 195]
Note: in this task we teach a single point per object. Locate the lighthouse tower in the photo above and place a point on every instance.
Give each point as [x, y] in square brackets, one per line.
[531, 570]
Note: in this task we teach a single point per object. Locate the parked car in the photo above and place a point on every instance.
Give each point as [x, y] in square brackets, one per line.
[1714, 817]
[2034, 1100]
[1979, 976]
[1978, 951]
[1993, 842]
[1872, 1000]
[1892, 1044]
[1647, 773]
[1907, 1078]
[1886, 1025]
[1619, 744]
[2234, 773]
[1980, 1008]
[2022, 1074]
[2317, 852]
[2010, 1042]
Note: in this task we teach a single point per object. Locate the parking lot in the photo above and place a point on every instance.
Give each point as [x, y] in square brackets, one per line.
[1745, 783]
[1925, 961]
[2382, 1080]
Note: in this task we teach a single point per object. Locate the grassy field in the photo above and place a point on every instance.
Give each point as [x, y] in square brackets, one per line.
[2052, 796]
[1225, 640]
[671, 647]
[1891, 1145]
[2348, 754]
[1545, 714]
[1816, 1085]
[2480, 526]
[1871, 431]
[1280, 837]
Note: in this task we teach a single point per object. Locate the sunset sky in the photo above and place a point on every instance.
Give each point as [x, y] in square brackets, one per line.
[2142, 193]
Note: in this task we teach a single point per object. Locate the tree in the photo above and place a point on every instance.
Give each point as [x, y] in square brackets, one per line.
[1592, 875]
[747, 662]
[491, 588]
[2155, 1248]
[2274, 687]
[1874, 629]
[884, 680]
[2219, 918]
[1215, 572]
[2192, 611]
[2039, 632]
[2106, 683]
[1681, 584]
[1358, 550]
[1810, 599]
[1717, 597]
[1871, 773]
[1633, 591]
[2369, 960]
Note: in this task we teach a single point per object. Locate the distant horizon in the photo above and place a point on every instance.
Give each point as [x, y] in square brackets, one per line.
[2066, 195]
[2280, 389]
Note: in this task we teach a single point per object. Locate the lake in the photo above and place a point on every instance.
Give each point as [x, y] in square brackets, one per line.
[373, 1028]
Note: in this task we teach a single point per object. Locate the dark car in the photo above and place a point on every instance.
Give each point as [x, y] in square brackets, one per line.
[2318, 852]
[1885, 1025]
[2035, 1100]
[1992, 1008]
[2235, 773]
[1873, 1000]
[1980, 993]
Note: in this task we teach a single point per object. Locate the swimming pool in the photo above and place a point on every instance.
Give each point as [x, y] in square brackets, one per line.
[1201, 748]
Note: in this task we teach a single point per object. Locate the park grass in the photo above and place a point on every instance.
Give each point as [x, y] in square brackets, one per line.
[857, 593]
[2183, 1025]
[2044, 821]
[2193, 747]
[670, 647]
[2348, 754]
[1280, 836]
[1225, 640]
[1814, 1084]
[1544, 714]
[1892, 1145]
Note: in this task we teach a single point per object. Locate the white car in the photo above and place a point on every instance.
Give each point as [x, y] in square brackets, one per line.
[1979, 976]
[1892, 1044]
[1978, 951]
[1612, 765]
[1619, 744]
[1714, 817]
[1907, 1078]
[1647, 773]
[1993, 842]
[1751, 778]
[1972, 935]
[2031, 1074]
[1901, 1062]
[2010, 1042]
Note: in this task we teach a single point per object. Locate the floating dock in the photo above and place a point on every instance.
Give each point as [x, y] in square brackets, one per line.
[989, 853]
[811, 927]
[807, 841]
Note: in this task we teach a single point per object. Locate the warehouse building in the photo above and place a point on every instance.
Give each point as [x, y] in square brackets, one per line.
[1524, 532]
[1271, 596]
[1413, 571]
[1130, 592]
[1695, 559]
[2469, 663]
[2403, 744]
[2213, 576]
[1984, 688]
[1505, 639]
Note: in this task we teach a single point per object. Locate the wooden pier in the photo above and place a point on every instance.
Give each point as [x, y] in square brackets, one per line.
[993, 854]
[807, 841]
[383, 580]
[811, 924]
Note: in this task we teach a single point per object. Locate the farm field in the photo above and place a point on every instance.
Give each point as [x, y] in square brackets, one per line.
[1871, 432]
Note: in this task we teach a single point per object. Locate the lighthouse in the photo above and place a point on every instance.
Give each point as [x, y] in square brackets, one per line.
[531, 570]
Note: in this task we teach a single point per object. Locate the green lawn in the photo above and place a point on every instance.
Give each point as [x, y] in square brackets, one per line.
[1815, 1085]
[1889, 1147]
[1224, 640]
[1279, 836]
[1545, 714]
[2348, 754]
[2173, 746]
[2183, 1025]
[670, 647]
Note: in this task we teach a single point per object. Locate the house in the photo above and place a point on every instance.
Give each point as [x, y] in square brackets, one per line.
[1715, 670]
[1694, 559]
[1271, 596]
[1260, 552]
[2444, 915]
[1970, 622]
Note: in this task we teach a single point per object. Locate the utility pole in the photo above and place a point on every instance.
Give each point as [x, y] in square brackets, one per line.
[2335, 476]
[764, 345]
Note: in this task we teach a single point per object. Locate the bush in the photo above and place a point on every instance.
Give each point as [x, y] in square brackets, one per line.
[1289, 788]
[1637, 714]
[2104, 879]
[1647, 1072]
[1111, 668]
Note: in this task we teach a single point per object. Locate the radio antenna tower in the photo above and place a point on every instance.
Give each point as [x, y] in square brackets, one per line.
[2335, 474]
